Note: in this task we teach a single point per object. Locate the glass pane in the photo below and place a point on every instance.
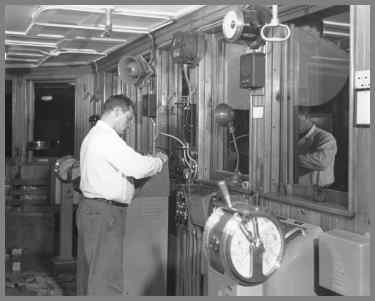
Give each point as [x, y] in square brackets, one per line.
[239, 100]
[320, 69]
[241, 132]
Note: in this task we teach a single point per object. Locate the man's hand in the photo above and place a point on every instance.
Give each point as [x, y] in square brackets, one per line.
[162, 156]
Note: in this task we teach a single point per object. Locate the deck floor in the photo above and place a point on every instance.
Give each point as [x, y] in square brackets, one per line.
[38, 277]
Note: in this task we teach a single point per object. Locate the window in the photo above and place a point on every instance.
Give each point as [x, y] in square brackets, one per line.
[241, 132]
[239, 100]
[318, 72]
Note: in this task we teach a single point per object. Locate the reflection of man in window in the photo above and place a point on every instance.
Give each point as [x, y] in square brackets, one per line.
[316, 150]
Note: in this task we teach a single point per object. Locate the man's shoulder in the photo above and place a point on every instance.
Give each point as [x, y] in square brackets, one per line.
[322, 134]
[95, 136]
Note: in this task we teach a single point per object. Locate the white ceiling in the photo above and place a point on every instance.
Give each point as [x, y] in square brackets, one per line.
[55, 35]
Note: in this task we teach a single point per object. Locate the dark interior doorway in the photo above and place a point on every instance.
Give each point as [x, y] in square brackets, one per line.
[54, 118]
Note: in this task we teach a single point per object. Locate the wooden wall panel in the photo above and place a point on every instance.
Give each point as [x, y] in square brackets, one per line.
[83, 109]
[361, 139]
[19, 124]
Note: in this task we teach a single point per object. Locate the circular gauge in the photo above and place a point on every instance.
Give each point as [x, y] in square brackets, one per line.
[247, 245]
[233, 24]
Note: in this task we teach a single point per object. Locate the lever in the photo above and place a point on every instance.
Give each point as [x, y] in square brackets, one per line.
[224, 190]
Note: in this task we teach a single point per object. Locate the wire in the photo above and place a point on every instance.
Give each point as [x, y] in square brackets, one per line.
[236, 149]
[185, 68]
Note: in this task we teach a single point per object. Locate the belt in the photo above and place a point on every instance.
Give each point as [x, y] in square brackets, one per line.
[109, 202]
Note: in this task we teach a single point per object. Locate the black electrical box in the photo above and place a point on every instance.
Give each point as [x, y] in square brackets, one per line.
[149, 105]
[252, 70]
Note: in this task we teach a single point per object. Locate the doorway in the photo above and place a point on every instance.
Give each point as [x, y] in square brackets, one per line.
[54, 118]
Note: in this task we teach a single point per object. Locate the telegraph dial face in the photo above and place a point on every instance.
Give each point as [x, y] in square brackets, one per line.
[244, 243]
[241, 257]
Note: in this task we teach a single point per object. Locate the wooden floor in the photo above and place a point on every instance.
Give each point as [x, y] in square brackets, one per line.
[38, 277]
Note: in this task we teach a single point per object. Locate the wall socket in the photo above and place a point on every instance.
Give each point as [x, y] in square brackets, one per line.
[362, 79]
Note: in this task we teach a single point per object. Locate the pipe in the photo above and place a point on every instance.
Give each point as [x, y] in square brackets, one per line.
[184, 270]
[195, 254]
[199, 261]
[331, 33]
[108, 15]
[188, 82]
[275, 18]
[336, 24]
[153, 135]
[178, 256]
[153, 47]
[125, 29]
[194, 162]
[187, 262]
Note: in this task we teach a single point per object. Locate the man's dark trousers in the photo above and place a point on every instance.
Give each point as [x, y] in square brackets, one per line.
[101, 230]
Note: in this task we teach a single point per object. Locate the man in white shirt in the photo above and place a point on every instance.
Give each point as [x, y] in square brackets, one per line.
[316, 151]
[107, 166]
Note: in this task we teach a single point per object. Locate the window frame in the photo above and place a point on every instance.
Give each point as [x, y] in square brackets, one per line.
[218, 140]
[287, 160]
